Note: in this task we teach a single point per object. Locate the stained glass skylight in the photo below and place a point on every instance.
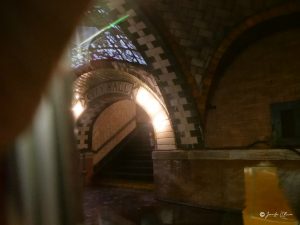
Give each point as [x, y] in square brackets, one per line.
[110, 43]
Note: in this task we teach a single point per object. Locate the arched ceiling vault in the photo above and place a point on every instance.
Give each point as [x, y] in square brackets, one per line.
[183, 42]
[160, 62]
[265, 23]
[102, 87]
[198, 33]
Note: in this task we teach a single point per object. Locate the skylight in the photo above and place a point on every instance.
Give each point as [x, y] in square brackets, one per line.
[109, 43]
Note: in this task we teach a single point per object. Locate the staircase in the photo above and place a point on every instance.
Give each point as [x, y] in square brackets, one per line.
[131, 159]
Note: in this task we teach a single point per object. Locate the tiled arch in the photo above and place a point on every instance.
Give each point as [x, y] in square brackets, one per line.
[178, 98]
[139, 71]
[251, 22]
[104, 70]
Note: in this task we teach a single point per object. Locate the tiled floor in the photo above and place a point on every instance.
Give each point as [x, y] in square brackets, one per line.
[119, 206]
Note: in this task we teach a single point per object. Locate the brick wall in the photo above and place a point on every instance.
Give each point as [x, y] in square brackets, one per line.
[199, 32]
[265, 73]
[177, 96]
[198, 27]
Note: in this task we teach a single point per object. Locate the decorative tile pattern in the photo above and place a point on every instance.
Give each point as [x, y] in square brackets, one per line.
[203, 30]
[187, 136]
[96, 79]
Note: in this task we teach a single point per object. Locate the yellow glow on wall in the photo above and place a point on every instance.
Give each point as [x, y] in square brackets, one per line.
[154, 109]
[77, 109]
[160, 121]
[148, 101]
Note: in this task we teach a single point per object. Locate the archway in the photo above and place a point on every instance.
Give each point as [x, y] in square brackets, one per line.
[253, 93]
[99, 89]
[254, 27]
[147, 44]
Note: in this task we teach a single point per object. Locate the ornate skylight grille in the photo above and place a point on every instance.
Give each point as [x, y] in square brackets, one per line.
[109, 44]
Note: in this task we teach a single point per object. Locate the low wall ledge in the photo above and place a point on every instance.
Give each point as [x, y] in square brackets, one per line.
[236, 154]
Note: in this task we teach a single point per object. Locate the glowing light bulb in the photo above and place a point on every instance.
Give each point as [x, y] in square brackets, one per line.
[77, 109]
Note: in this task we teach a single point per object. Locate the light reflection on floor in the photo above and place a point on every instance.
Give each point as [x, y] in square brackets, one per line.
[115, 206]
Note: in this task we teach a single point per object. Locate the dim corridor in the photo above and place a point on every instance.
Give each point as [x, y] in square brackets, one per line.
[130, 160]
[120, 206]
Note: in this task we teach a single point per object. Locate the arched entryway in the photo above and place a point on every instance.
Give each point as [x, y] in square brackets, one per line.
[116, 94]
[255, 83]
[126, 155]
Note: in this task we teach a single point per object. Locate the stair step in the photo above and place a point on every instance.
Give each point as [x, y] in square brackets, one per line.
[133, 170]
[137, 151]
[128, 175]
[135, 157]
[134, 160]
[126, 166]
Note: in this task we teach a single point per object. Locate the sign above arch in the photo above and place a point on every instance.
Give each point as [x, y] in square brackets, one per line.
[99, 86]
[112, 87]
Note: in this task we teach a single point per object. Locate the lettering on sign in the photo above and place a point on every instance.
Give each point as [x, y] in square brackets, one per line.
[115, 87]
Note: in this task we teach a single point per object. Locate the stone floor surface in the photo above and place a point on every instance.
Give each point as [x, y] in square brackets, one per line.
[120, 206]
